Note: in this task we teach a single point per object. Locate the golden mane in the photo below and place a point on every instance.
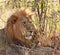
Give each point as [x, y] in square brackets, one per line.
[19, 28]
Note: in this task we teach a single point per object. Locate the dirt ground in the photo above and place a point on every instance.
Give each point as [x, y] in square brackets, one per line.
[6, 49]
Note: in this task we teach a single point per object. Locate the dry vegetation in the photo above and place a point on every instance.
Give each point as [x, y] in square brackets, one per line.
[46, 22]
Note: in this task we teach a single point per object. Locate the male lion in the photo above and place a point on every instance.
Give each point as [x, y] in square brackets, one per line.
[20, 30]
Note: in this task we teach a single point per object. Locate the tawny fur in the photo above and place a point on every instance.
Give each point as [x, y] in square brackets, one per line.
[16, 26]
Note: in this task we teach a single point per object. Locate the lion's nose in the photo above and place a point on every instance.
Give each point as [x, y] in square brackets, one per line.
[31, 31]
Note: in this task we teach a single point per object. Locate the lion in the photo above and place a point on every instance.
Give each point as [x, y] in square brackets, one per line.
[20, 30]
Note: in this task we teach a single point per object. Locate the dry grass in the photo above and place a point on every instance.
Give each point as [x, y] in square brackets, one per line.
[4, 16]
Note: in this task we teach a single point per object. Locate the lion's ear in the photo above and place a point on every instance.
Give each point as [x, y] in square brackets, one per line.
[14, 19]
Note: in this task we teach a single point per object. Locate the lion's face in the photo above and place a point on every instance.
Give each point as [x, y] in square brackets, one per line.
[20, 28]
[25, 27]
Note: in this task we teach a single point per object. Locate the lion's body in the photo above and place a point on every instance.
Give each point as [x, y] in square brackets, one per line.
[19, 27]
